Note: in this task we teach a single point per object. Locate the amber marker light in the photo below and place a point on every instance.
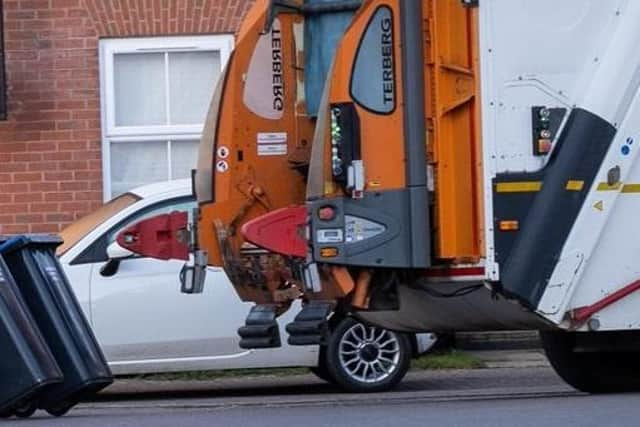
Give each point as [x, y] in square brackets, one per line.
[509, 225]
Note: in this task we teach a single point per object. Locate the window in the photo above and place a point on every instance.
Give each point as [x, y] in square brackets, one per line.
[97, 251]
[155, 96]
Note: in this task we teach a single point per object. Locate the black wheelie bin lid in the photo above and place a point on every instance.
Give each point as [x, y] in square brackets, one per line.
[48, 294]
[27, 366]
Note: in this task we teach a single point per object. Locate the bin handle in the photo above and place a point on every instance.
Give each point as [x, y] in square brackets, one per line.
[11, 243]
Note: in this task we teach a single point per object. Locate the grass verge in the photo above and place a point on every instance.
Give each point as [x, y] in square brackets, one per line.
[443, 359]
[447, 359]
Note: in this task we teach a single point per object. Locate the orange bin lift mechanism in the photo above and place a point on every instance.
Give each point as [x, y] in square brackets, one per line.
[262, 140]
[453, 146]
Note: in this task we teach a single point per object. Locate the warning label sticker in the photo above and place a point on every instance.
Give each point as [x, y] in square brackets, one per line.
[272, 144]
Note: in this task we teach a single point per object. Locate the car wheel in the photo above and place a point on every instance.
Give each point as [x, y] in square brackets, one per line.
[363, 358]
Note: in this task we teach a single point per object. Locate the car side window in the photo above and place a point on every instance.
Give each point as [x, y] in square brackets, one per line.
[97, 251]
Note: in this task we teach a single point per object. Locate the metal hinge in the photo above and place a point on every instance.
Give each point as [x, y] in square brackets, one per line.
[470, 3]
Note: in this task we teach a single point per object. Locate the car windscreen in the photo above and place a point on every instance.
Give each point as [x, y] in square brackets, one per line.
[76, 231]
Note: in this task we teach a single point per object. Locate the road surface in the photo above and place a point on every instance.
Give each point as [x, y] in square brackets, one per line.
[486, 397]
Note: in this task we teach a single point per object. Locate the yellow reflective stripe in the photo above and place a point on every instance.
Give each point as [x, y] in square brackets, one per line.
[603, 186]
[631, 188]
[575, 185]
[519, 187]
[572, 185]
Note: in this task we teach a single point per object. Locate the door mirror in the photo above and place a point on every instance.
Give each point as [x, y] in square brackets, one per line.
[117, 252]
[194, 273]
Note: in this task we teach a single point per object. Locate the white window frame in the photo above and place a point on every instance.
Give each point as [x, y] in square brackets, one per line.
[112, 134]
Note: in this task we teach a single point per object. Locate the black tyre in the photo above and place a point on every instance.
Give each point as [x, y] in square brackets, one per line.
[363, 358]
[6, 414]
[322, 371]
[591, 371]
[25, 410]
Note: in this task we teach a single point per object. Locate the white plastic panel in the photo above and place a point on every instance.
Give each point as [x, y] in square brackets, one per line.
[538, 53]
[533, 53]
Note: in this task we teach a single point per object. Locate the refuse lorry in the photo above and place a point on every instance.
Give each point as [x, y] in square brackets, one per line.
[473, 167]
[53, 359]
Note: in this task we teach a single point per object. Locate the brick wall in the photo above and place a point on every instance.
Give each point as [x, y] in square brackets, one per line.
[50, 146]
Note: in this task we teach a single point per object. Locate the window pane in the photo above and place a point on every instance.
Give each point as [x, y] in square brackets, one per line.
[192, 78]
[184, 155]
[139, 80]
[137, 163]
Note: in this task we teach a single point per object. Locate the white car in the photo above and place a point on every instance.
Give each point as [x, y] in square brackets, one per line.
[145, 325]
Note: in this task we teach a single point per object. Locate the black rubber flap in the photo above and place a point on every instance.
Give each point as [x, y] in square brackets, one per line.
[582, 146]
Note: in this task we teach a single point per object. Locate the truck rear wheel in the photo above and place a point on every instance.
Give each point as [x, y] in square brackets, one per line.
[591, 371]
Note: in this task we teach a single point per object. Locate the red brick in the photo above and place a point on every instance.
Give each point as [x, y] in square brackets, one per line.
[43, 207]
[28, 197]
[58, 197]
[27, 176]
[44, 228]
[17, 208]
[13, 229]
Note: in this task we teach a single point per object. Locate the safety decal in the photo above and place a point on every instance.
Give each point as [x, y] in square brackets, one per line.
[631, 189]
[222, 166]
[223, 152]
[272, 144]
[599, 205]
[575, 185]
[519, 187]
[626, 149]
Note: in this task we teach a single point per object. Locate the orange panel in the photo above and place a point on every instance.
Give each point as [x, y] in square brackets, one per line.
[453, 136]
[384, 157]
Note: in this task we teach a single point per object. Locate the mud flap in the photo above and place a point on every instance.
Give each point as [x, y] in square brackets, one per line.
[261, 328]
[311, 325]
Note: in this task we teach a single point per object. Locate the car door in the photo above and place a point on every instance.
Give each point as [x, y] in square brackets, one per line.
[143, 321]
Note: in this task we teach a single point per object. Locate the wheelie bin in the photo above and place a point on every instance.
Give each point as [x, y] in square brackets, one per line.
[46, 291]
[27, 367]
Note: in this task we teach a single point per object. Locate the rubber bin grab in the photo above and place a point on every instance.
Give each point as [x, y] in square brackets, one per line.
[281, 231]
[27, 367]
[157, 237]
[50, 299]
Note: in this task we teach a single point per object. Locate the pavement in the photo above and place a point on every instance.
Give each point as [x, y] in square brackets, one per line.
[519, 389]
[531, 358]
[522, 396]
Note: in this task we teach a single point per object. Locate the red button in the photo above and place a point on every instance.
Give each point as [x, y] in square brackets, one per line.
[326, 213]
